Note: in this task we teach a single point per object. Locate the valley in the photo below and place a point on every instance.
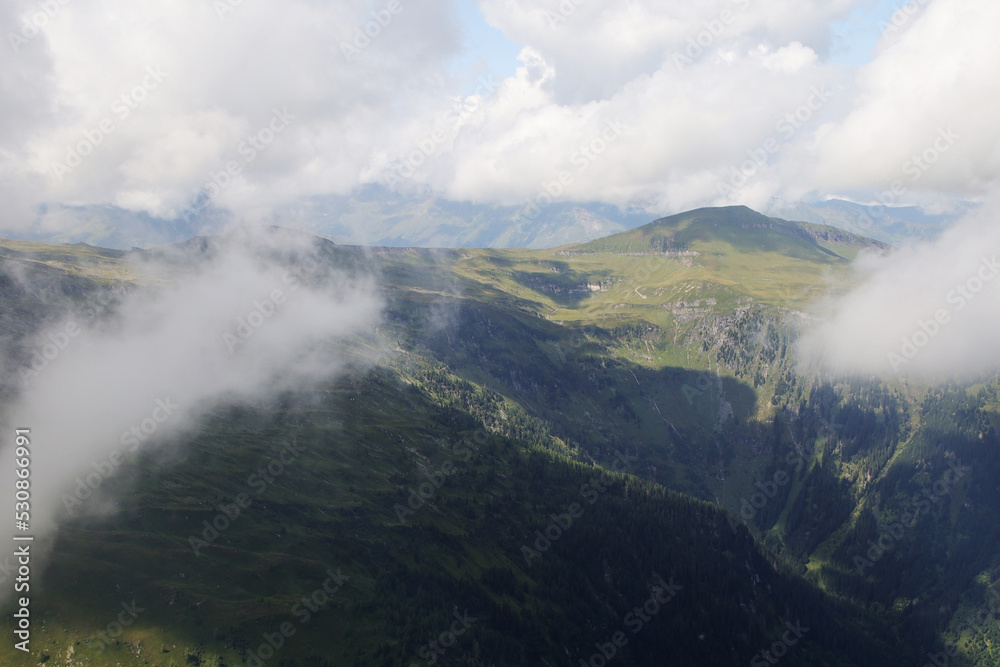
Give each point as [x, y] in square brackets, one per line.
[531, 446]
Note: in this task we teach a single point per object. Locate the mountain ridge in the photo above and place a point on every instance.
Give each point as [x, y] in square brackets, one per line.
[371, 215]
[682, 363]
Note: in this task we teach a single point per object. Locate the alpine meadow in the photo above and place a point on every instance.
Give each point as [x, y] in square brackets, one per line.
[500, 333]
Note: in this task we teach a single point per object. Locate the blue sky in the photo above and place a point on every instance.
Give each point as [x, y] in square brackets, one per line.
[855, 38]
[487, 49]
[691, 126]
[853, 44]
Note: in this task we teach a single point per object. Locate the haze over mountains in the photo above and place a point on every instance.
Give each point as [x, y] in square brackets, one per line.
[373, 215]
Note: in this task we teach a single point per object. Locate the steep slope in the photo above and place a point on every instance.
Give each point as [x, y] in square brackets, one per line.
[686, 356]
[542, 556]
[546, 558]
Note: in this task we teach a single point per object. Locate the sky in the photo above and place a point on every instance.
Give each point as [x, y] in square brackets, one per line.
[163, 107]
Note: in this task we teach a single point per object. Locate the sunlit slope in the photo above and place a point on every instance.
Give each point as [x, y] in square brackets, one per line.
[78, 260]
[475, 362]
[676, 269]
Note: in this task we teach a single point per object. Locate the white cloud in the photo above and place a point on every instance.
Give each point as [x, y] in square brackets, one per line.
[789, 58]
[746, 79]
[931, 310]
[259, 314]
[938, 72]
[223, 79]
[598, 48]
[701, 87]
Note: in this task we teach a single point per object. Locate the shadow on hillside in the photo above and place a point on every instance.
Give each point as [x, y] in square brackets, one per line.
[684, 424]
[563, 285]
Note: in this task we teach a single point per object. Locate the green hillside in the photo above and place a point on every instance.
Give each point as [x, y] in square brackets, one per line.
[519, 377]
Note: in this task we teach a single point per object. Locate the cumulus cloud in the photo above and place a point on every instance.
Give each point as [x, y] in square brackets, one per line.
[930, 310]
[98, 129]
[933, 75]
[789, 58]
[599, 48]
[703, 89]
[235, 321]
[371, 96]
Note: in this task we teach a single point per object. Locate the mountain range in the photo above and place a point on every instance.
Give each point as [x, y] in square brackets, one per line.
[373, 215]
[602, 451]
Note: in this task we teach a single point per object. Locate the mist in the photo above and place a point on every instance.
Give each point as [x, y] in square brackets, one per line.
[233, 320]
[929, 310]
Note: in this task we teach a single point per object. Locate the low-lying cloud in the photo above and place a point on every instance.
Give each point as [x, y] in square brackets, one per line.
[929, 310]
[220, 321]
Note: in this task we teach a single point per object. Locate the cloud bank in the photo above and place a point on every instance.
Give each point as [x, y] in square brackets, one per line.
[235, 321]
[164, 107]
[928, 311]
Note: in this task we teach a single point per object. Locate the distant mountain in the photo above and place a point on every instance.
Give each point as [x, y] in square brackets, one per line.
[888, 224]
[372, 215]
[737, 226]
[114, 227]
